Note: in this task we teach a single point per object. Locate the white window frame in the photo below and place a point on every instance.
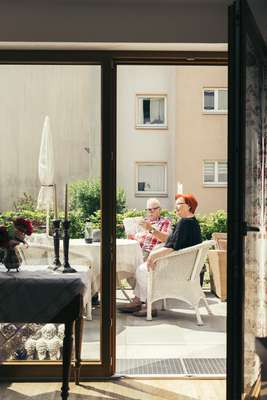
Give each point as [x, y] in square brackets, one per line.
[216, 110]
[216, 183]
[144, 96]
[163, 193]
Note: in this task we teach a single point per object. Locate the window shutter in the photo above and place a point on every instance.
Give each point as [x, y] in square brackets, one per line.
[222, 100]
[209, 172]
[222, 172]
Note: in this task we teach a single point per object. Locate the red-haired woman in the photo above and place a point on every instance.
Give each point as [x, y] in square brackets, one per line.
[186, 233]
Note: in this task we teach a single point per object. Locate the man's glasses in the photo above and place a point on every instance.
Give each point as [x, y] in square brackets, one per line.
[152, 209]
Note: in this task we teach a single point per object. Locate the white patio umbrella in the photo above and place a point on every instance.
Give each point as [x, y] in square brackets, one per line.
[46, 171]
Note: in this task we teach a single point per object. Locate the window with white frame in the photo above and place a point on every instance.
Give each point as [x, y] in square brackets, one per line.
[215, 100]
[151, 111]
[215, 173]
[151, 179]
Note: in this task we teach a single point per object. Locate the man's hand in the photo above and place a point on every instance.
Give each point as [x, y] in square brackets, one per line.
[146, 225]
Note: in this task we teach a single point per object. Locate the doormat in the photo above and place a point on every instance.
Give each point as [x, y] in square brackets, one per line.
[172, 366]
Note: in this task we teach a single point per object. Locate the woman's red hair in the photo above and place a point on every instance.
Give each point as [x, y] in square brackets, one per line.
[189, 199]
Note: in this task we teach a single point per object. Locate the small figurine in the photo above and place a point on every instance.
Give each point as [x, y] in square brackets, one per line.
[54, 346]
[41, 348]
[48, 331]
[30, 346]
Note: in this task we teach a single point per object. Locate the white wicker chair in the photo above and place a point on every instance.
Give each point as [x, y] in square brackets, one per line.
[176, 276]
[38, 254]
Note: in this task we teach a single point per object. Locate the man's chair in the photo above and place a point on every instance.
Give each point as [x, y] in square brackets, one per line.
[218, 265]
[176, 276]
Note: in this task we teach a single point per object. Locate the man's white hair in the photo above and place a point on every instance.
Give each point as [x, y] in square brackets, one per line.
[155, 202]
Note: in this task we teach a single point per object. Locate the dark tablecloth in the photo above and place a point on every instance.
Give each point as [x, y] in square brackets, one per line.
[36, 296]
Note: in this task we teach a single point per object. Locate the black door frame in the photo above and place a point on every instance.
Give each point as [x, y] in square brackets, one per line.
[109, 60]
[241, 23]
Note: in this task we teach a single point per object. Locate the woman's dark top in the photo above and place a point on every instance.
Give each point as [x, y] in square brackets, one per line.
[186, 233]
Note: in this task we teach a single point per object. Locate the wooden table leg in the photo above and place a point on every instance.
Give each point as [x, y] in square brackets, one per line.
[78, 348]
[67, 353]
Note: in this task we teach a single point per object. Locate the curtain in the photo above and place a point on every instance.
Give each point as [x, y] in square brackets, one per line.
[156, 111]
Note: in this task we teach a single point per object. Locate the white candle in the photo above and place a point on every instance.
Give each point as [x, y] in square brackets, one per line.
[179, 188]
[55, 201]
[66, 201]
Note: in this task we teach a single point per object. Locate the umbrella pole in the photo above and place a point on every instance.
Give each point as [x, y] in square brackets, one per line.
[47, 220]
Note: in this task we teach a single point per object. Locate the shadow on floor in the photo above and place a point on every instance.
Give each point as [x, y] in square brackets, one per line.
[137, 389]
[143, 389]
[184, 320]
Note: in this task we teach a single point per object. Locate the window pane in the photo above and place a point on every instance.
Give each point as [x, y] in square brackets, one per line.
[209, 172]
[209, 100]
[151, 178]
[157, 111]
[151, 111]
[146, 111]
[222, 172]
[222, 99]
[50, 132]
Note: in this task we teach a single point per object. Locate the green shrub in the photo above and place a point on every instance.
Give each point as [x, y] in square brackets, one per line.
[213, 222]
[38, 218]
[24, 203]
[85, 196]
[95, 219]
[77, 223]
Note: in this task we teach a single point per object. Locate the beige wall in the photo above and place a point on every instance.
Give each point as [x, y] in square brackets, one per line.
[70, 95]
[135, 145]
[199, 136]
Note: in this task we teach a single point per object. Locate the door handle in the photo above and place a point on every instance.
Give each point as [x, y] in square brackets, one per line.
[250, 228]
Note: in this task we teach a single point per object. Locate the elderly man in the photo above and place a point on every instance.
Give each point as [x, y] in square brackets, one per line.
[186, 233]
[156, 229]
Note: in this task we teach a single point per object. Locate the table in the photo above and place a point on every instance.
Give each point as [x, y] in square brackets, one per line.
[128, 255]
[41, 297]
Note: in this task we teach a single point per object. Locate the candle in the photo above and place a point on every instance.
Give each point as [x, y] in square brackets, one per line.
[66, 202]
[55, 201]
[179, 188]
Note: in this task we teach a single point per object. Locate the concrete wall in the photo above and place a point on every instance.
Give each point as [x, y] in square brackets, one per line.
[70, 95]
[144, 145]
[199, 136]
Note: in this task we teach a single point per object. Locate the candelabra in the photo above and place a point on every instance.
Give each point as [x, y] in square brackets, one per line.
[66, 265]
[56, 236]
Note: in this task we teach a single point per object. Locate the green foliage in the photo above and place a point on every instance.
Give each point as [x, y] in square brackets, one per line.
[85, 203]
[77, 223]
[213, 222]
[24, 203]
[95, 219]
[38, 218]
[85, 196]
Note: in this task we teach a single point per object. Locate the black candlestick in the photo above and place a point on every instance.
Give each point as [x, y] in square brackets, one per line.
[56, 236]
[66, 266]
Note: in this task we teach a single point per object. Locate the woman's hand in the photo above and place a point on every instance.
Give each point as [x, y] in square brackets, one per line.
[151, 263]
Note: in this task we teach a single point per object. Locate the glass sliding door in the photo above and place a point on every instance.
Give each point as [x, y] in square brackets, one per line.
[53, 114]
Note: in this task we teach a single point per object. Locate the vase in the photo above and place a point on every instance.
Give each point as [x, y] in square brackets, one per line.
[11, 259]
[96, 235]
